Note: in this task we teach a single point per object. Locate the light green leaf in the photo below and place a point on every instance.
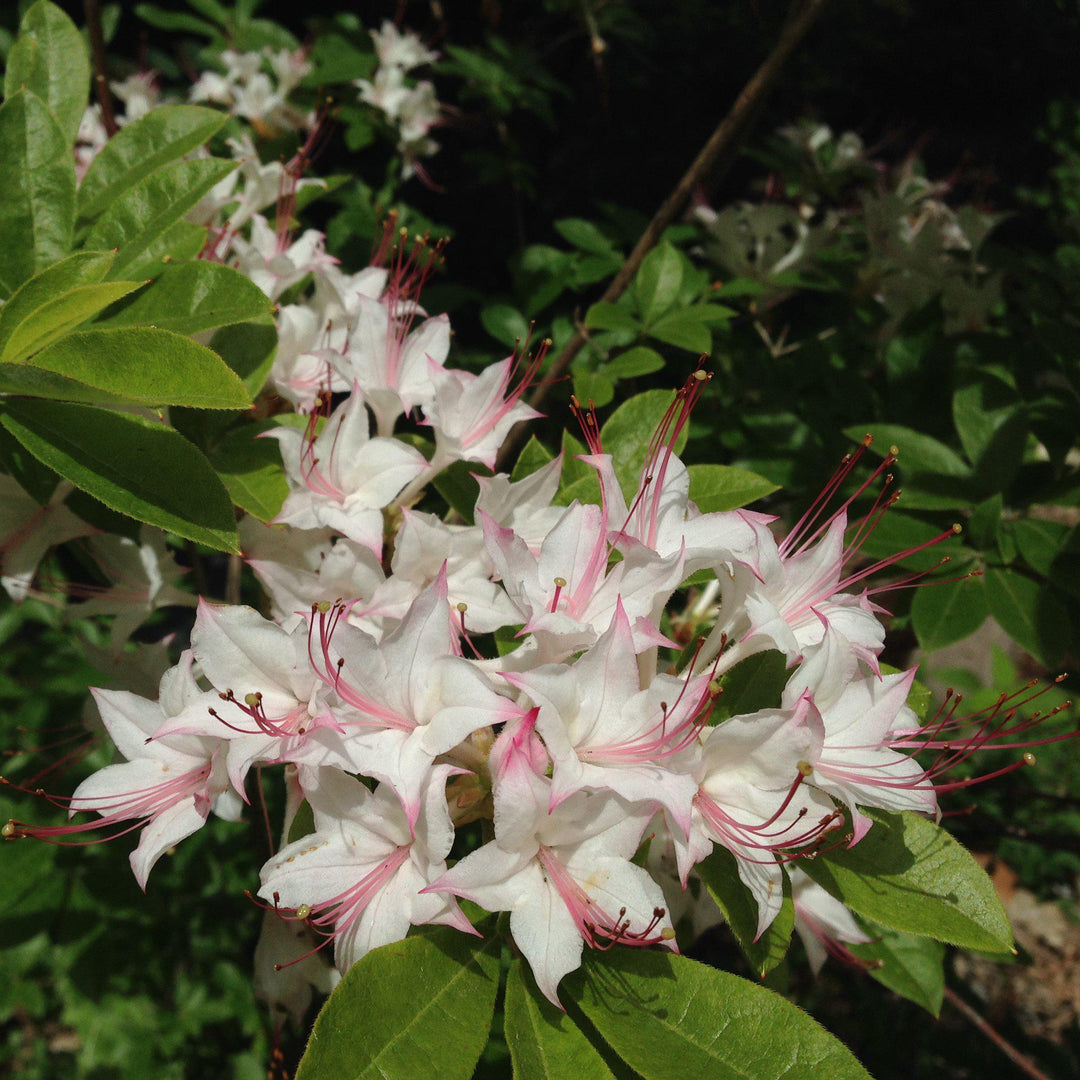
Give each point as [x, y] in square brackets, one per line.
[545, 1044]
[629, 430]
[140, 148]
[59, 316]
[145, 367]
[658, 281]
[640, 360]
[946, 611]
[180, 242]
[725, 487]
[682, 330]
[909, 874]
[535, 455]
[137, 221]
[419, 1007]
[603, 316]
[671, 1018]
[251, 470]
[594, 387]
[1030, 613]
[28, 381]
[721, 877]
[913, 967]
[192, 297]
[82, 268]
[37, 179]
[49, 59]
[134, 466]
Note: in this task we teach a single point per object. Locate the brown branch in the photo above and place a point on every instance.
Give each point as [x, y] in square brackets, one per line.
[715, 156]
[1022, 1062]
[101, 78]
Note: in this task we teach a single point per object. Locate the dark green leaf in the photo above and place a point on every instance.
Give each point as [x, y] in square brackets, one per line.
[139, 219]
[175, 20]
[82, 268]
[419, 1007]
[505, 324]
[1030, 613]
[459, 488]
[192, 297]
[584, 234]
[60, 315]
[909, 874]
[946, 611]
[49, 59]
[143, 146]
[251, 470]
[37, 178]
[179, 242]
[721, 877]
[145, 366]
[658, 281]
[724, 487]
[545, 1044]
[671, 1018]
[134, 466]
[1040, 542]
[248, 348]
[753, 684]
[913, 967]
[984, 521]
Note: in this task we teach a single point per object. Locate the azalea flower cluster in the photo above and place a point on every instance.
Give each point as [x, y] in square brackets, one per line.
[418, 675]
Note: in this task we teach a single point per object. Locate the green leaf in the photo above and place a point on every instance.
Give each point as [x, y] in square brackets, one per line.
[933, 476]
[629, 430]
[1030, 613]
[594, 387]
[192, 297]
[545, 1044]
[534, 456]
[458, 486]
[140, 218]
[49, 59]
[180, 242]
[640, 360]
[658, 281]
[82, 268]
[145, 366]
[134, 466]
[909, 874]
[251, 470]
[59, 316]
[584, 234]
[603, 316]
[26, 380]
[404, 1010]
[1040, 542]
[725, 487]
[682, 330]
[983, 524]
[249, 349]
[671, 1018]
[37, 178]
[505, 324]
[751, 685]
[721, 877]
[913, 967]
[943, 612]
[175, 20]
[140, 148]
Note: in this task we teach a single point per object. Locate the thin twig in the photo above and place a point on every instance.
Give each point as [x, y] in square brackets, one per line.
[1022, 1062]
[715, 156]
[232, 579]
[101, 78]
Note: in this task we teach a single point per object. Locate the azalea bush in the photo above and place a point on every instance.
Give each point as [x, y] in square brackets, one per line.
[474, 731]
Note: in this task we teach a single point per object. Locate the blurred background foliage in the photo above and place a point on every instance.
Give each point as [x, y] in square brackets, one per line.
[896, 250]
